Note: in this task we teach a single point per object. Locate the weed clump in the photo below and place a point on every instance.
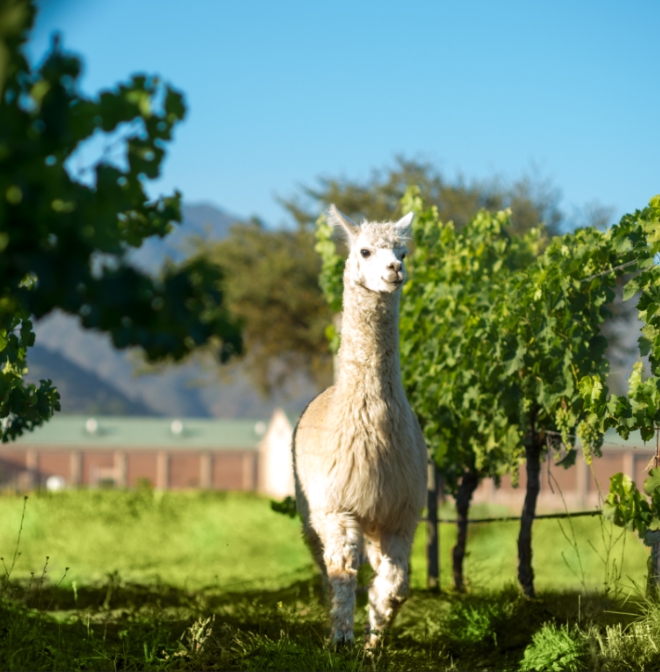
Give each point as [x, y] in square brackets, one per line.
[555, 649]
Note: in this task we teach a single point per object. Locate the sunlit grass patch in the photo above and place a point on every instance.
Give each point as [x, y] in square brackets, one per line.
[492, 554]
[180, 538]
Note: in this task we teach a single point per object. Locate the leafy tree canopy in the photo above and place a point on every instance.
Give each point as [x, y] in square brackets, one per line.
[638, 236]
[532, 200]
[64, 239]
[448, 333]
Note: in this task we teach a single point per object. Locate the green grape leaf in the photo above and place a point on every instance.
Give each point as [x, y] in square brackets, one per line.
[652, 483]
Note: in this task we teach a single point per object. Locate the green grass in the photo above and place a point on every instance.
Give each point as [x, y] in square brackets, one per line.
[184, 539]
[219, 581]
[492, 553]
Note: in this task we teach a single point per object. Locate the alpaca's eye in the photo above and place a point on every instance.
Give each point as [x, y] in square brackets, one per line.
[365, 253]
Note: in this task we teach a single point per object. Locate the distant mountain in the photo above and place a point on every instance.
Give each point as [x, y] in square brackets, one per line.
[194, 389]
[81, 391]
[200, 220]
[191, 389]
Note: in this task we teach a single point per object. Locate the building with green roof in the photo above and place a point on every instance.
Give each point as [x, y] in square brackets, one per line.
[125, 451]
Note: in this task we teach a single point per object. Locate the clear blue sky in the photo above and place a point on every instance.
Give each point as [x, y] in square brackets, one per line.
[281, 92]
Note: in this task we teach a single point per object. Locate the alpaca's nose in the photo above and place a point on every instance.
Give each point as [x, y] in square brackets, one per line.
[394, 265]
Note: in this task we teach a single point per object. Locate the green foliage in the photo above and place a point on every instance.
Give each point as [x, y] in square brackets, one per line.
[332, 265]
[331, 278]
[555, 649]
[64, 238]
[626, 507]
[447, 334]
[286, 507]
[638, 235]
[637, 238]
[475, 624]
[27, 406]
[496, 335]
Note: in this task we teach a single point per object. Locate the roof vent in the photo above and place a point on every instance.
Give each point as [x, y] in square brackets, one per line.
[92, 426]
[176, 427]
[260, 428]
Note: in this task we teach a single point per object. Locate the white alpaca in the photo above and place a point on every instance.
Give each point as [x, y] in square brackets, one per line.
[360, 461]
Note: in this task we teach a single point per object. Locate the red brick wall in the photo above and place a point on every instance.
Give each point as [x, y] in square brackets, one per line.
[184, 470]
[632, 462]
[227, 471]
[603, 468]
[231, 470]
[55, 463]
[12, 463]
[140, 466]
[559, 478]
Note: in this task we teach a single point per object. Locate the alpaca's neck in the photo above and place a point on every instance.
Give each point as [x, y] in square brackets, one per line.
[369, 352]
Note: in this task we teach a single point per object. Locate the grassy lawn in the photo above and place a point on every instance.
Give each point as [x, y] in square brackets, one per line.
[219, 581]
[185, 540]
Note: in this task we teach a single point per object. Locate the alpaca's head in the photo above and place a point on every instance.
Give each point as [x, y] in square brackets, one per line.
[376, 251]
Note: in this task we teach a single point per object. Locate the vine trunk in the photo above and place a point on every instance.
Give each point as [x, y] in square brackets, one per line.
[468, 484]
[525, 569]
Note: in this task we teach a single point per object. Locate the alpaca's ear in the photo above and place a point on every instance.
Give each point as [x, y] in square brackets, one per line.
[402, 227]
[336, 218]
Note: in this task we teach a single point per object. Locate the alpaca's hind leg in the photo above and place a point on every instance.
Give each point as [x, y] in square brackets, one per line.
[342, 541]
[315, 546]
[389, 589]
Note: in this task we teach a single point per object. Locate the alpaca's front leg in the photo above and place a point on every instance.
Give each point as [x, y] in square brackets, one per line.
[342, 540]
[390, 560]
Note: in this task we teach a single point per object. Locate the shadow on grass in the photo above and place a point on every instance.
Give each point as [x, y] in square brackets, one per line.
[120, 625]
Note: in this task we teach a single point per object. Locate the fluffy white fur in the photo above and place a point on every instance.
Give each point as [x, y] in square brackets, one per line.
[359, 455]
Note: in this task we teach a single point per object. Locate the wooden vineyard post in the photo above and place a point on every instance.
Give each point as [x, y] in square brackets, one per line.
[432, 537]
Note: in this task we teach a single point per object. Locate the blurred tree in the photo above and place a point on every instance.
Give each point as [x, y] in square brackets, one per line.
[272, 290]
[532, 200]
[64, 238]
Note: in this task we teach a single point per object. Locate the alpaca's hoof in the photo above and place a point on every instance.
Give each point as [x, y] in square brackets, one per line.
[373, 642]
[342, 640]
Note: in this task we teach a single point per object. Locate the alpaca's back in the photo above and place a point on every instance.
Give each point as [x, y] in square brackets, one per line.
[310, 432]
